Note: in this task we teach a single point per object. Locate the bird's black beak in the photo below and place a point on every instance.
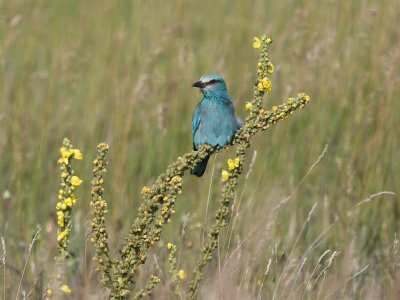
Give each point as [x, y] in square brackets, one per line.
[198, 84]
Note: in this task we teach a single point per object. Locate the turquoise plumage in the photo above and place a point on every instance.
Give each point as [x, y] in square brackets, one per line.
[214, 121]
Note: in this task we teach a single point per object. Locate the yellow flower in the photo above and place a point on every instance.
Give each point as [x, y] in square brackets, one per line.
[181, 274]
[256, 43]
[169, 245]
[65, 288]
[233, 164]
[275, 108]
[260, 86]
[66, 154]
[64, 206]
[248, 105]
[77, 154]
[61, 236]
[63, 152]
[262, 111]
[304, 96]
[64, 175]
[49, 292]
[270, 68]
[145, 190]
[68, 201]
[75, 181]
[267, 84]
[74, 198]
[176, 179]
[268, 40]
[225, 175]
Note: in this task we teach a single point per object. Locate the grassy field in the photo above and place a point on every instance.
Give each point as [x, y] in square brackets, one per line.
[121, 72]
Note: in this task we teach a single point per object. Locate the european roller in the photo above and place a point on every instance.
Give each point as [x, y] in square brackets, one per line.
[214, 121]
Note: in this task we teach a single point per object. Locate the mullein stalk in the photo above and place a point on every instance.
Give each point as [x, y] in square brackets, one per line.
[158, 203]
[99, 211]
[67, 199]
[176, 276]
[258, 119]
[66, 195]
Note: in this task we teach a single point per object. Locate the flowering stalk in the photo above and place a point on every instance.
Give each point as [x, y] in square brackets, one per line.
[154, 280]
[256, 120]
[66, 200]
[176, 275]
[158, 203]
[153, 214]
[112, 277]
[66, 196]
[99, 234]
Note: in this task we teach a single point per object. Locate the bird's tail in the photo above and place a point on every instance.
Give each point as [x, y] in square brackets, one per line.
[200, 168]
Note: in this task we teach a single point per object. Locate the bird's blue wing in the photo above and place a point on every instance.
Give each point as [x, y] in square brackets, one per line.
[196, 122]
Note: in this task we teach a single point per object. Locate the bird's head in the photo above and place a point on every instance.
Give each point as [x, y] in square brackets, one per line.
[212, 85]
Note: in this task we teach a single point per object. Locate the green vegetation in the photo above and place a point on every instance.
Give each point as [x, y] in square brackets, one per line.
[122, 72]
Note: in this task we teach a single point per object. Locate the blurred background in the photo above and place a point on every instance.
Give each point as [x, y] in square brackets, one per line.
[121, 72]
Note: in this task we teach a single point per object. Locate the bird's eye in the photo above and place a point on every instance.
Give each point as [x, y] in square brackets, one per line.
[213, 81]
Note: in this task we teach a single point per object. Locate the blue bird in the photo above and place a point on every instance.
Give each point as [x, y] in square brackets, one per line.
[214, 121]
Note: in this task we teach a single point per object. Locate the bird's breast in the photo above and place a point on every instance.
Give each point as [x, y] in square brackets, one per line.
[217, 125]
